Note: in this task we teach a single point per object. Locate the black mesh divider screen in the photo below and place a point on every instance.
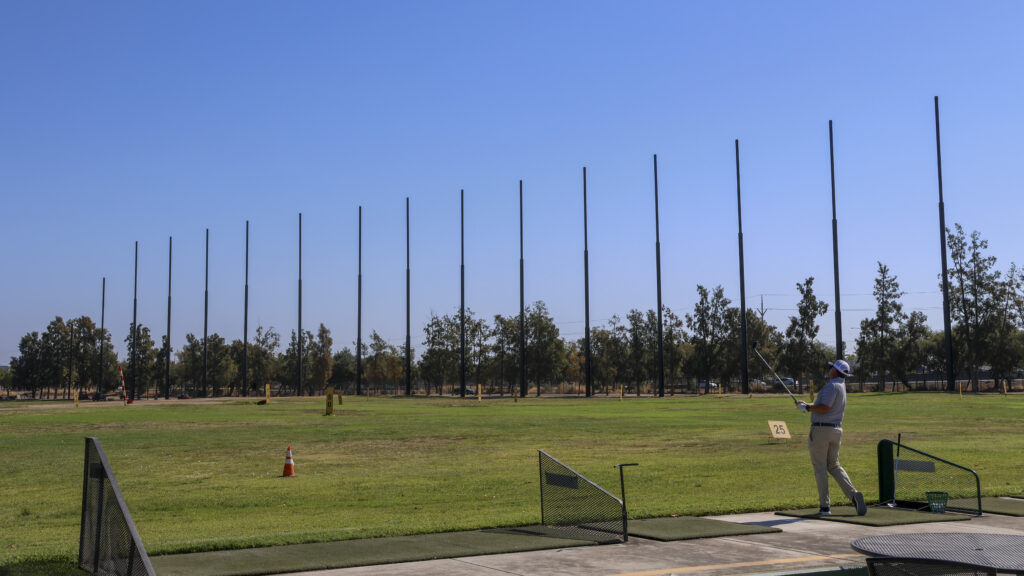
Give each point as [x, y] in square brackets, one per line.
[911, 567]
[916, 473]
[109, 545]
[575, 506]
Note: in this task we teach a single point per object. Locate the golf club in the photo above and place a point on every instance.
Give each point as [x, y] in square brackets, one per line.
[795, 401]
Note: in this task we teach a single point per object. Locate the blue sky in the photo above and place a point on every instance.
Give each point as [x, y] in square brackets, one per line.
[129, 121]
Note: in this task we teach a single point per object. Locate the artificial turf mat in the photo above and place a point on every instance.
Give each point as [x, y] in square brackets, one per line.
[992, 505]
[876, 516]
[691, 527]
[349, 553]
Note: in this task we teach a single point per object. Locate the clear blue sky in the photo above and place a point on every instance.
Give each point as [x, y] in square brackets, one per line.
[138, 121]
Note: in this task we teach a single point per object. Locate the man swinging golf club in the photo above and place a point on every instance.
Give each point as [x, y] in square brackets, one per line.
[826, 436]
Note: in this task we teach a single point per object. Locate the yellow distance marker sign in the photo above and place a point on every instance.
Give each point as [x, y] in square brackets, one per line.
[778, 429]
[330, 402]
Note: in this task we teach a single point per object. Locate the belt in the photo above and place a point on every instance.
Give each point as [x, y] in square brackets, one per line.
[826, 424]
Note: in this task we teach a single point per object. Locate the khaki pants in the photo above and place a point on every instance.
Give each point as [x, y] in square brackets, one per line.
[823, 444]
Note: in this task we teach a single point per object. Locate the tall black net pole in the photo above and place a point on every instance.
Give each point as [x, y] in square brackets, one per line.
[408, 302]
[359, 310]
[745, 382]
[950, 374]
[245, 320]
[462, 292]
[135, 319]
[103, 334]
[657, 259]
[167, 360]
[298, 388]
[586, 292]
[522, 302]
[835, 245]
[206, 315]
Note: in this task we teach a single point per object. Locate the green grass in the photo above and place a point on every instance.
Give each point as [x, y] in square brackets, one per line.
[207, 476]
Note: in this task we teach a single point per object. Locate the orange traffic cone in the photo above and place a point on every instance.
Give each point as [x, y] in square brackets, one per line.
[289, 464]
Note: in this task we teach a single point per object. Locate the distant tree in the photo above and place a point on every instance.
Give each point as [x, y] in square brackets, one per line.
[263, 358]
[27, 369]
[608, 354]
[505, 352]
[343, 370]
[439, 363]
[709, 331]
[877, 345]
[383, 365]
[799, 349]
[911, 350]
[190, 364]
[321, 360]
[145, 375]
[676, 347]
[642, 347]
[221, 368]
[545, 349]
[289, 361]
[974, 295]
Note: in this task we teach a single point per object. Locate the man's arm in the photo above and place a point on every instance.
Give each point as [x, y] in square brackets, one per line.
[817, 408]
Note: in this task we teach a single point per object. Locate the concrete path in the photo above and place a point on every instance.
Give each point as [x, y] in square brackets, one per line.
[802, 545]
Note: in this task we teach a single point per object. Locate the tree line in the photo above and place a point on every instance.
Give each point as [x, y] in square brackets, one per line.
[698, 349]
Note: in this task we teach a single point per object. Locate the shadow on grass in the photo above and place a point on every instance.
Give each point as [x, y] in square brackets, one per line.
[42, 567]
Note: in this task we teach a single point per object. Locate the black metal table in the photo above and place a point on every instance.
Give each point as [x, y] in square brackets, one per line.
[999, 552]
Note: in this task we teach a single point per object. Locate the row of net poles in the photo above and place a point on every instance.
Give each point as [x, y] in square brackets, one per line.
[522, 303]
[245, 320]
[745, 382]
[135, 330]
[408, 332]
[103, 333]
[462, 294]
[586, 291]
[950, 375]
[167, 360]
[835, 244]
[657, 259]
[359, 309]
[206, 313]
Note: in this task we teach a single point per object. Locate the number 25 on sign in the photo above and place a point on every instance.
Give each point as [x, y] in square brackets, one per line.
[778, 429]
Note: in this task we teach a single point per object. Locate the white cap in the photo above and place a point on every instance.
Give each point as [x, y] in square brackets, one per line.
[842, 367]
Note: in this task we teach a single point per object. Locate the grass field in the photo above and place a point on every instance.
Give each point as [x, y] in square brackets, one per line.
[204, 476]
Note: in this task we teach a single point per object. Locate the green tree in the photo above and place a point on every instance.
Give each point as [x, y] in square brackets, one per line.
[877, 344]
[220, 366]
[343, 371]
[641, 347]
[146, 369]
[709, 331]
[505, 352]
[190, 364]
[974, 294]
[545, 349]
[799, 351]
[677, 350]
[263, 367]
[27, 369]
[289, 361]
[383, 365]
[440, 361]
[321, 360]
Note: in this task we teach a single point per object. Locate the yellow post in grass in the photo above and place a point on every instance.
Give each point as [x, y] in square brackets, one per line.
[810, 390]
[329, 410]
[479, 392]
[268, 392]
[76, 398]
